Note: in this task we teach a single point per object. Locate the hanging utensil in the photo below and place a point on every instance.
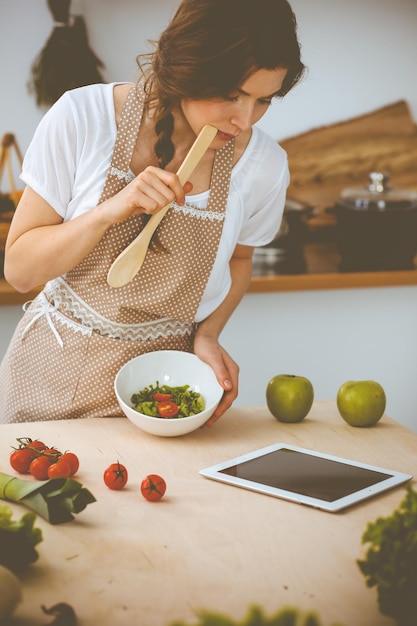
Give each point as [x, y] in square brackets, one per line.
[128, 263]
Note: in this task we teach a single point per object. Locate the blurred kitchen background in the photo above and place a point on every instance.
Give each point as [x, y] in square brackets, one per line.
[361, 56]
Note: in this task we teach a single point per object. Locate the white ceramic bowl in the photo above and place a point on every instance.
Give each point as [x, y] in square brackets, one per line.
[173, 368]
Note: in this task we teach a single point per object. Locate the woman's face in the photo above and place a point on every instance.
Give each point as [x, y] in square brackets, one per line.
[239, 111]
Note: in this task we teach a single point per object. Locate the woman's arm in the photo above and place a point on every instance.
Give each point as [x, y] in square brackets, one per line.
[206, 341]
[40, 246]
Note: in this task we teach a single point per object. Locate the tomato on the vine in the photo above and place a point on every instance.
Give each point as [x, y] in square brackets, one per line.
[39, 467]
[34, 445]
[73, 460]
[60, 469]
[21, 459]
[52, 454]
[115, 476]
[36, 458]
[167, 408]
[153, 487]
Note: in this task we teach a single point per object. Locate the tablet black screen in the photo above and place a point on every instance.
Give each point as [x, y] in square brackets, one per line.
[306, 474]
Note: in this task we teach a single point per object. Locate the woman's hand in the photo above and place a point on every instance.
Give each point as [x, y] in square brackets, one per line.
[148, 193]
[225, 369]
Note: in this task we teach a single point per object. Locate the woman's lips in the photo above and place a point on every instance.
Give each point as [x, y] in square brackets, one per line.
[225, 136]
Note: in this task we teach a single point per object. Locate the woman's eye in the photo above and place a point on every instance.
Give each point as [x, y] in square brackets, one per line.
[261, 101]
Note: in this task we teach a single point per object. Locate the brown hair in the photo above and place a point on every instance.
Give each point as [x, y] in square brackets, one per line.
[210, 48]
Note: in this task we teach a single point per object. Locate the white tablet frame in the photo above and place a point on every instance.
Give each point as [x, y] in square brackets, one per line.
[394, 479]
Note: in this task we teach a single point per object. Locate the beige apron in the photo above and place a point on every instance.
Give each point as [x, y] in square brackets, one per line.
[79, 331]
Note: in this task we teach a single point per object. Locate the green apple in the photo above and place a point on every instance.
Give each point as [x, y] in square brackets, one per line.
[289, 397]
[361, 402]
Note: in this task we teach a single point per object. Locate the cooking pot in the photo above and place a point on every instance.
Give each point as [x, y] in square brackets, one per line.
[285, 253]
[377, 227]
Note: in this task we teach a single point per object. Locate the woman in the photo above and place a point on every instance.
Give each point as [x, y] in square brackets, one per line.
[101, 162]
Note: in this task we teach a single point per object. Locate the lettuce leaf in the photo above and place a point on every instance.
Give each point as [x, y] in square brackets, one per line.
[18, 539]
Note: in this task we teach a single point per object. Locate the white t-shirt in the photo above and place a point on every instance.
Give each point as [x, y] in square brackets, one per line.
[68, 158]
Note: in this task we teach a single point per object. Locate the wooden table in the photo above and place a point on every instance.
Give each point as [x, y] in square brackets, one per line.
[206, 545]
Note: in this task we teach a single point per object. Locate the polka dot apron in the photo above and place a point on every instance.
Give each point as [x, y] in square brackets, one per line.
[78, 332]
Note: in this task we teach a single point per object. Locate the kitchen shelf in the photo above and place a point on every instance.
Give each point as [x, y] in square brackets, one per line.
[321, 270]
[308, 282]
[321, 273]
[322, 260]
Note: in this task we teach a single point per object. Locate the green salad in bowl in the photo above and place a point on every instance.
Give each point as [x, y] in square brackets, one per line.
[169, 402]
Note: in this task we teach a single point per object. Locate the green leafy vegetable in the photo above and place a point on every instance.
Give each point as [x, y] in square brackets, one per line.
[391, 560]
[56, 499]
[189, 402]
[256, 617]
[18, 539]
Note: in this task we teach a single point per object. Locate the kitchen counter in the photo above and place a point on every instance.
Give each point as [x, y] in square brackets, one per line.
[206, 545]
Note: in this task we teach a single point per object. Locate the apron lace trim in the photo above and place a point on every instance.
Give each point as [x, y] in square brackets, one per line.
[127, 176]
[202, 214]
[59, 295]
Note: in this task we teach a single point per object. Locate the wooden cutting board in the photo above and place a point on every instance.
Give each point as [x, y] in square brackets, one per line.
[326, 160]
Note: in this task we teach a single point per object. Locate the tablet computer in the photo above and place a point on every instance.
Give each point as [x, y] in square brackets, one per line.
[305, 476]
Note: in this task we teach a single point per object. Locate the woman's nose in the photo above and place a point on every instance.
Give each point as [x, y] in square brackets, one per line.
[243, 116]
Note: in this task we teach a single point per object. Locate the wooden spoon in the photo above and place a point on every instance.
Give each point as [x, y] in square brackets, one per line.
[128, 263]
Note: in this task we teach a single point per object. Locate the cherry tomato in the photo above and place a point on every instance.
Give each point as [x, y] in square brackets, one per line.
[52, 454]
[153, 487]
[39, 467]
[37, 445]
[73, 461]
[168, 409]
[160, 397]
[60, 469]
[27, 441]
[115, 476]
[21, 459]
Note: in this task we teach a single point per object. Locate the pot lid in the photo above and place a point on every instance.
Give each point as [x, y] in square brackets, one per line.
[378, 195]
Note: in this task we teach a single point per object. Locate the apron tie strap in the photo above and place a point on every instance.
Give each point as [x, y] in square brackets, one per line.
[44, 308]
